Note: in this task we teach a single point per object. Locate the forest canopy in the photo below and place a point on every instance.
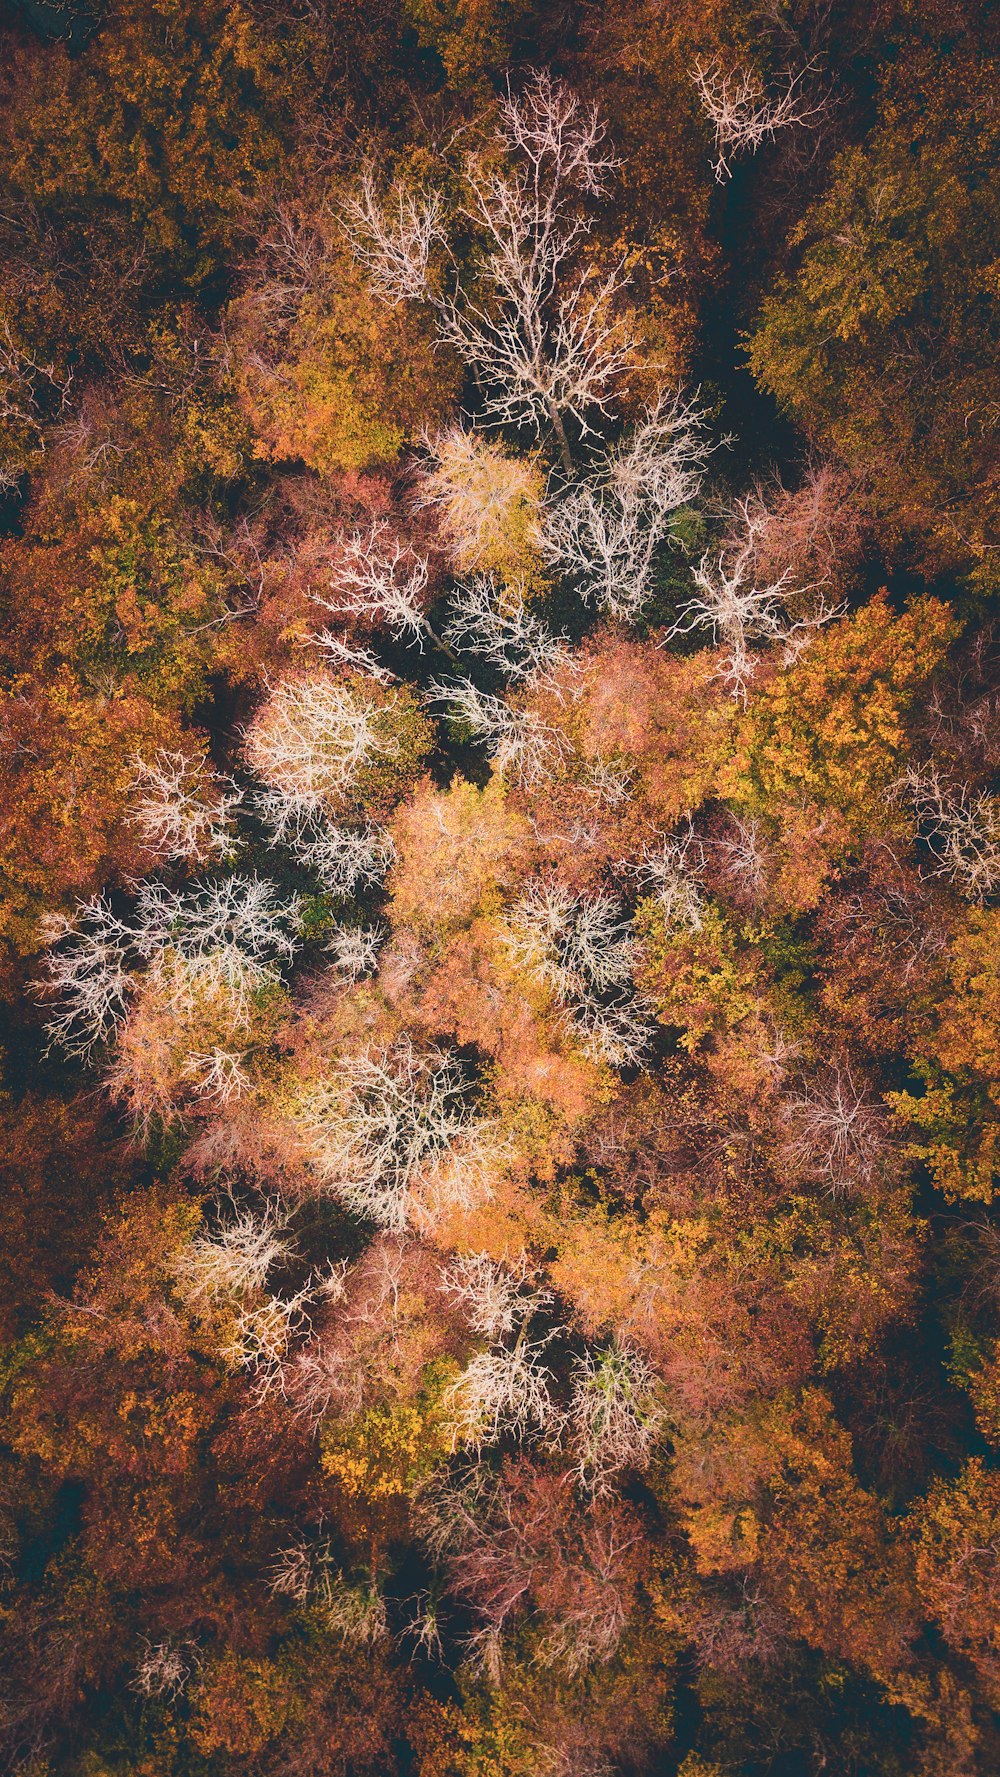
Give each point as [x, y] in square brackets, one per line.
[500, 888]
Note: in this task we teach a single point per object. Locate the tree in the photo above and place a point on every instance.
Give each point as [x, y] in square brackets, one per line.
[738, 612]
[958, 1563]
[180, 816]
[605, 530]
[536, 322]
[323, 746]
[487, 503]
[878, 338]
[742, 114]
[391, 1124]
[322, 376]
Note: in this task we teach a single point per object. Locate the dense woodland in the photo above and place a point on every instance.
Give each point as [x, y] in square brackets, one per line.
[500, 888]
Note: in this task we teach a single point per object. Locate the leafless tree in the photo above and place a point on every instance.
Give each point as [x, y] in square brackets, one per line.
[615, 1415]
[503, 1391]
[378, 578]
[605, 529]
[582, 949]
[344, 858]
[164, 1670]
[394, 237]
[674, 870]
[739, 613]
[235, 914]
[742, 853]
[222, 937]
[345, 656]
[309, 1574]
[537, 324]
[962, 829]
[834, 1133]
[181, 813]
[496, 623]
[521, 743]
[218, 1075]
[235, 1259]
[389, 1120]
[308, 743]
[90, 970]
[495, 1299]
[354, 950]
[742, 113]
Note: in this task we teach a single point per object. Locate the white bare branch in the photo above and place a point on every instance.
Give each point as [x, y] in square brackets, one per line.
[164, 1670]
[495, 1299]
[605, 530]
[236, 1258]
[961, 827]
[221, 937]
[309, 742]
[503, 1392]
[744, 116]
[541, 330]
[394, 238]
[834, 1133]
[615, 1413]
[343, 656]
[180, 814]
[739, 613]
[89, 970]
[354, 950]
[392, 1122]
[308, 1573]
[673, 869]
[519, 742]
[495, 622]
[583, 950]
[381, 580]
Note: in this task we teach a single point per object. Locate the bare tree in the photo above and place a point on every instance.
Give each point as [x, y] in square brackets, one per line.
[394, 237]
[236, 1258]
[381, 580]
[605, 530]
[354, 950]
[834, 1133]
[537, 324]
[224, 937]
[496, 623]
[961, 827]
[674, 870]
[237, 914]
[344, 858]
[309, 1574]
[521, 743]
[495, 1299]
[390, 1120]
[739, 613]
[344, 656]
[309, 741]
[582, 949]
[615, 1413]
[742, 113]
[181, 814]
[504, 1391]
[743, 855]
[90, 969]
[164, 1670]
